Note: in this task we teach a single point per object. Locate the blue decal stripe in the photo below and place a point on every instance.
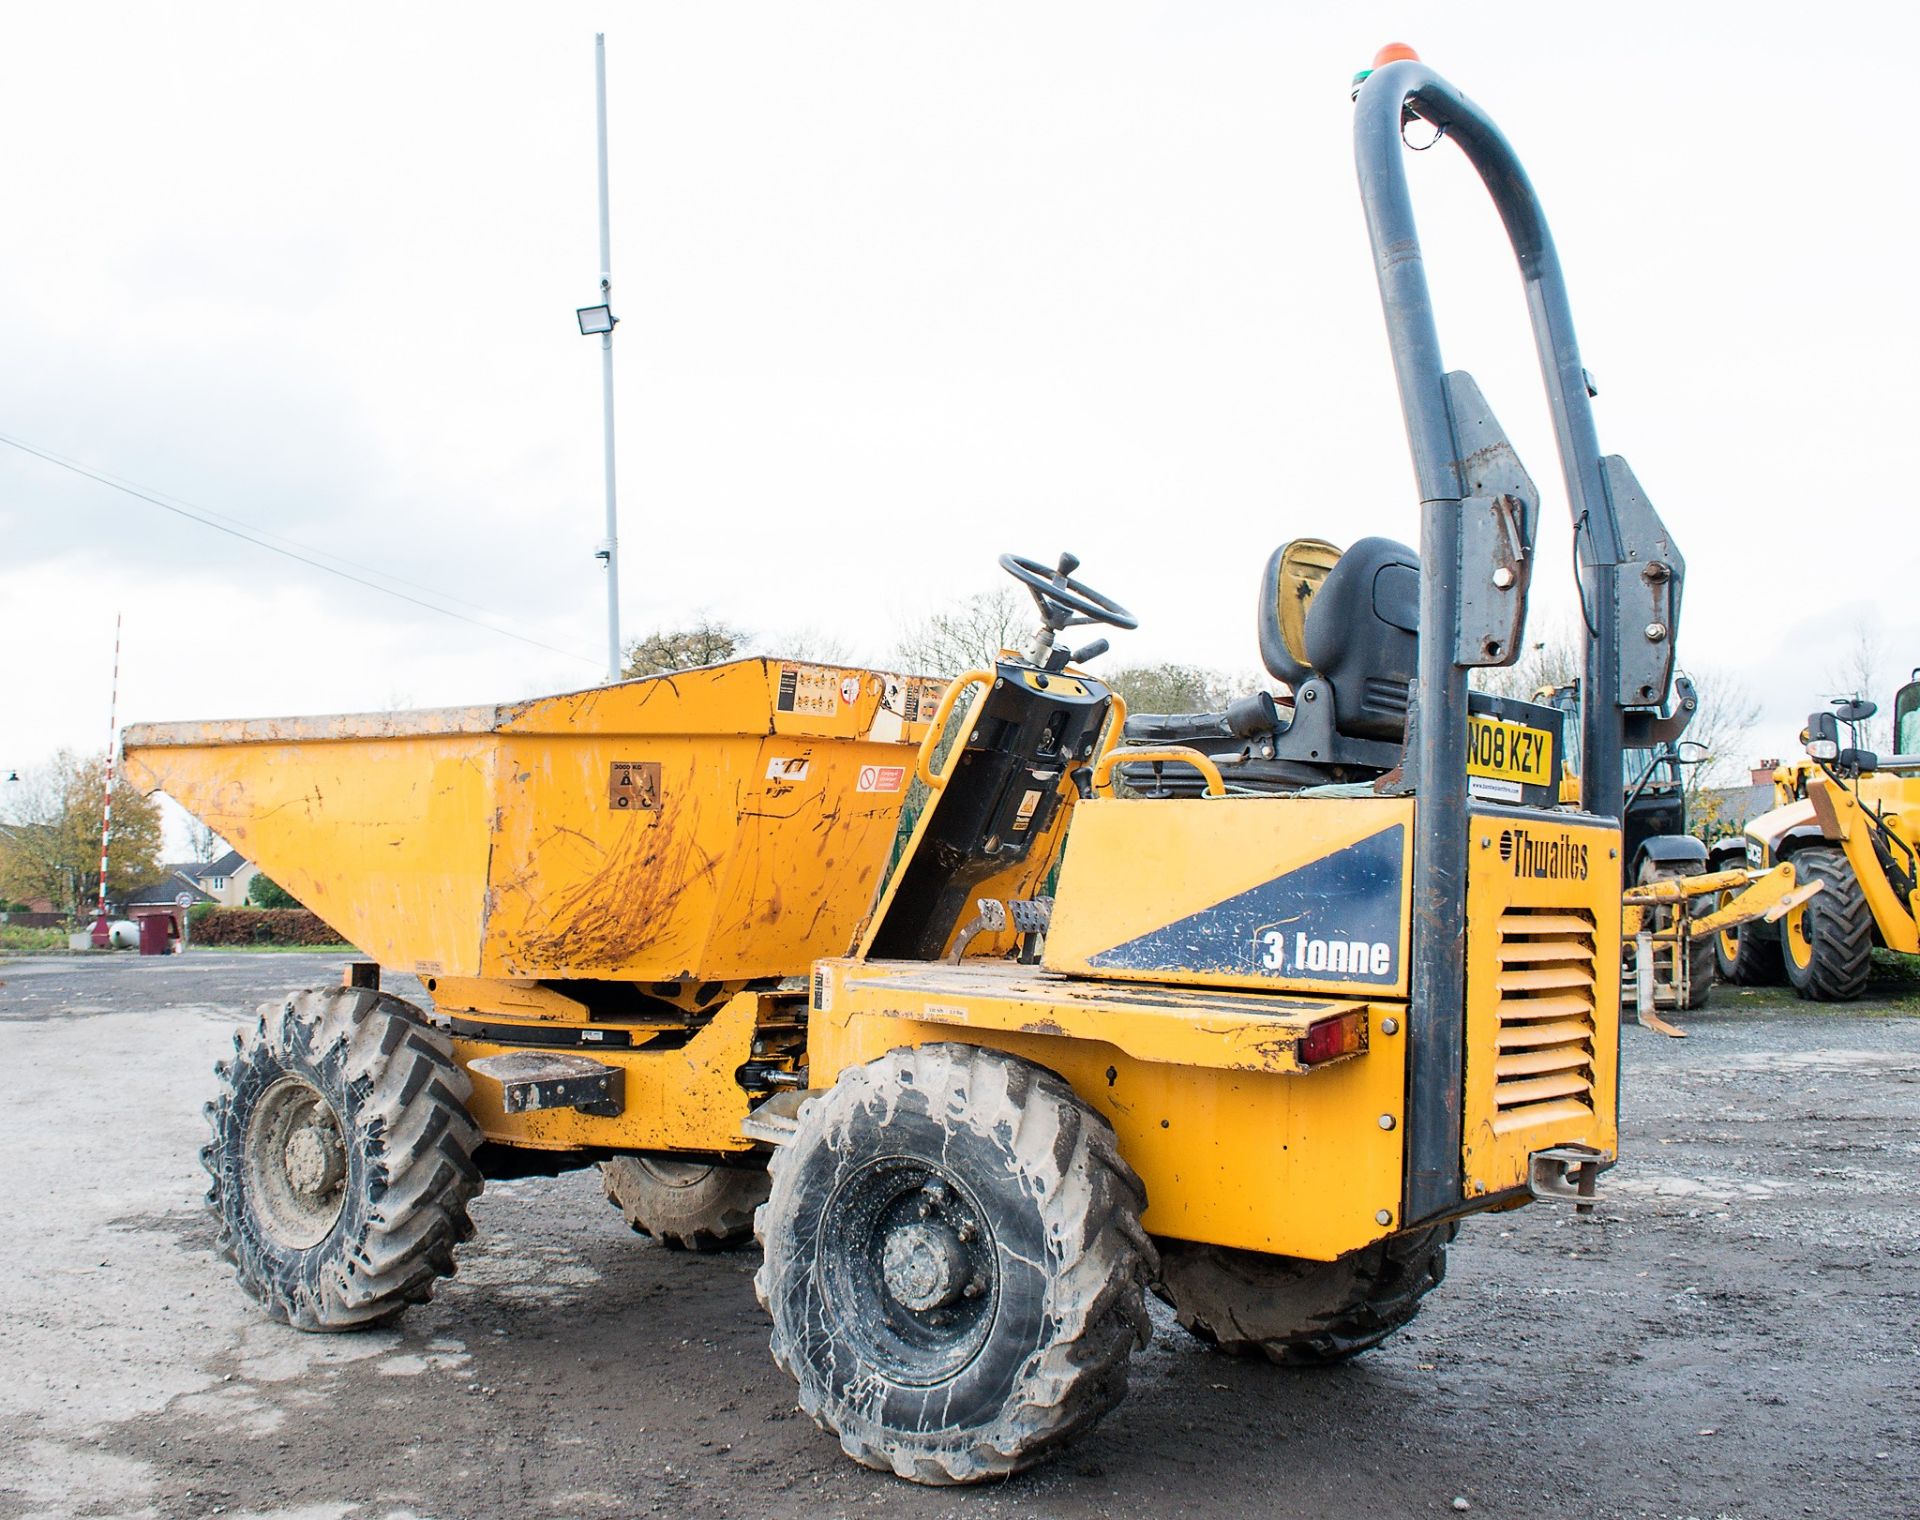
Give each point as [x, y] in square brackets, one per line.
[1324, 921]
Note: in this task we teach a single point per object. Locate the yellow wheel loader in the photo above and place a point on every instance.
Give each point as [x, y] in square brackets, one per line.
[1846, 823]
[1676, 903]
[1257, 1053]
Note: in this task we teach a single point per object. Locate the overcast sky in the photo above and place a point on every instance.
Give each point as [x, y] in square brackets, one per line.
[902, 287]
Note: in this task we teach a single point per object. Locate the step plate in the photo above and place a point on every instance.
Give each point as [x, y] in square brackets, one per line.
[536, 1079]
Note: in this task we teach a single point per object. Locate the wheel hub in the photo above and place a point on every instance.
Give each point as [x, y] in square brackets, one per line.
[295, 1163]
[911, 1269]
[924, 1265]
[315, 1159]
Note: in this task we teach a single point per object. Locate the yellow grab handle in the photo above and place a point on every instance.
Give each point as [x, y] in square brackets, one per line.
[1103, 772]
[923, 766]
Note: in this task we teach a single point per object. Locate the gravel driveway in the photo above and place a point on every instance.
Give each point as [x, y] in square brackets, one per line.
[1735, 1333]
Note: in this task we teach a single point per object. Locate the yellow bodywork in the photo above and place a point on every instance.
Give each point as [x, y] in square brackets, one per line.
[1235, 1144]
[676, 1098]
[1543, 993]
[710, 826]
[1188, 1042]
[1132, 869]
[645, 874]
[1808, 800]
[1842, 819]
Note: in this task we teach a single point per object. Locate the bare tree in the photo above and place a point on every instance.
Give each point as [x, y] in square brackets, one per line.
[1551, 661]
[202, 842]
[810, 644]
[706, 642]
[967, 634]
[1176, 688]
[1721, 724]
[1857, 673]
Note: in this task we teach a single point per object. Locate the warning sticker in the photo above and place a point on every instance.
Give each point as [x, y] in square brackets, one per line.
[1023, 819]
[634, 786]
[809, 689]
[788, 768]
[882, 778]
[918, 696]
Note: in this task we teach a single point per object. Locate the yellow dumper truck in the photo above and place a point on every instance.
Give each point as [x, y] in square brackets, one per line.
[1256, 1053]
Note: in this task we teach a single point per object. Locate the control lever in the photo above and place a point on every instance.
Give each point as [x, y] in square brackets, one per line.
[1092, 651]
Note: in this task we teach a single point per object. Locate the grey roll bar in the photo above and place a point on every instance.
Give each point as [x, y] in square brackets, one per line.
[1429, 401]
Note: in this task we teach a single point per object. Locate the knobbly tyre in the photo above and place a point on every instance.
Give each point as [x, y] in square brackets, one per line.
[1256, 1053]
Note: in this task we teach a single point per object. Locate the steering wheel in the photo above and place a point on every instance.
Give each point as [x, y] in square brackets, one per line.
[1063, 601]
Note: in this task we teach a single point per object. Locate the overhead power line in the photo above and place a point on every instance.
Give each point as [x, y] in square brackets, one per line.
[305, 554]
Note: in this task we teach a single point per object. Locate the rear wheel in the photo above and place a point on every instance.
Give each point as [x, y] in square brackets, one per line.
[954, 1263]
[341, 1158]
[1300, 1313]
[1828, 939]
[689, 1205]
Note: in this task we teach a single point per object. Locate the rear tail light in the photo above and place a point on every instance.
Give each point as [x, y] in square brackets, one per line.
[1333, 1039]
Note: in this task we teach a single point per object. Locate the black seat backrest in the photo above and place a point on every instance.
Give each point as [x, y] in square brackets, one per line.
[1363, 636]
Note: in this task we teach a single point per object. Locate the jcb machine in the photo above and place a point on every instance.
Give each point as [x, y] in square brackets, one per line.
[1677, 904]
[1846, 823]
[1256, 1053]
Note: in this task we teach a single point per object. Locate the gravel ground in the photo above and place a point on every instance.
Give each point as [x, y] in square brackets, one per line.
[1735, 1333]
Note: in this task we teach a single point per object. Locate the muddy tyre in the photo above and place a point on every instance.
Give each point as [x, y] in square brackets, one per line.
[341, 1158]
[1748, 955]
[1704, 966]
[1299, 1313]
[1828, 941]
[954, 1263]
[688, 1205]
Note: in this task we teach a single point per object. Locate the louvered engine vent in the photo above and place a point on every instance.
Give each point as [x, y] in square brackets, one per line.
[1543, 1068]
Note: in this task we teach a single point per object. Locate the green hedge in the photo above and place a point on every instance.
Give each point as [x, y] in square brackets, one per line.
[260, 926]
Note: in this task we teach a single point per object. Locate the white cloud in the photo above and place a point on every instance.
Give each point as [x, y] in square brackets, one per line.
[901, 289]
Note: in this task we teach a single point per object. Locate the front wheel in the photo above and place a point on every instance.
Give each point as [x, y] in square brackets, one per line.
[1300, 1313]
[1828, 939]
[341, 1158]
[954, 1263]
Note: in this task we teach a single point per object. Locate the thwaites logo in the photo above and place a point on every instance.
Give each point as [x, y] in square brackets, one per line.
[1557, 858]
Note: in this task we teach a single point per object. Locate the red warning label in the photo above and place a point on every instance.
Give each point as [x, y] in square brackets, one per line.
[882, 778]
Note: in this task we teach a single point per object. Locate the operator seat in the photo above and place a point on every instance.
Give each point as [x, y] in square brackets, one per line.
[1340, 629]
[1363, 637]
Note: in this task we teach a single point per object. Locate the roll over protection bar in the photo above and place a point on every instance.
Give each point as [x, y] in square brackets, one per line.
[1629, 583]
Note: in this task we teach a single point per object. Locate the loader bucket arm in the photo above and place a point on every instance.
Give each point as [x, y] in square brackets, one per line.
[1600, 492]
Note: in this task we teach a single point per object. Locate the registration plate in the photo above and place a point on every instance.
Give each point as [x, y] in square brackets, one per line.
[1508, 751]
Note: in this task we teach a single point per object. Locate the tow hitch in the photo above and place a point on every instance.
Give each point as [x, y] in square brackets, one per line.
[1566, 1174]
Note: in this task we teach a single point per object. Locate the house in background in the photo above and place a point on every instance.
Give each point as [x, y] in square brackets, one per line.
[224, 881]
[162, 898]
[1729, 809]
